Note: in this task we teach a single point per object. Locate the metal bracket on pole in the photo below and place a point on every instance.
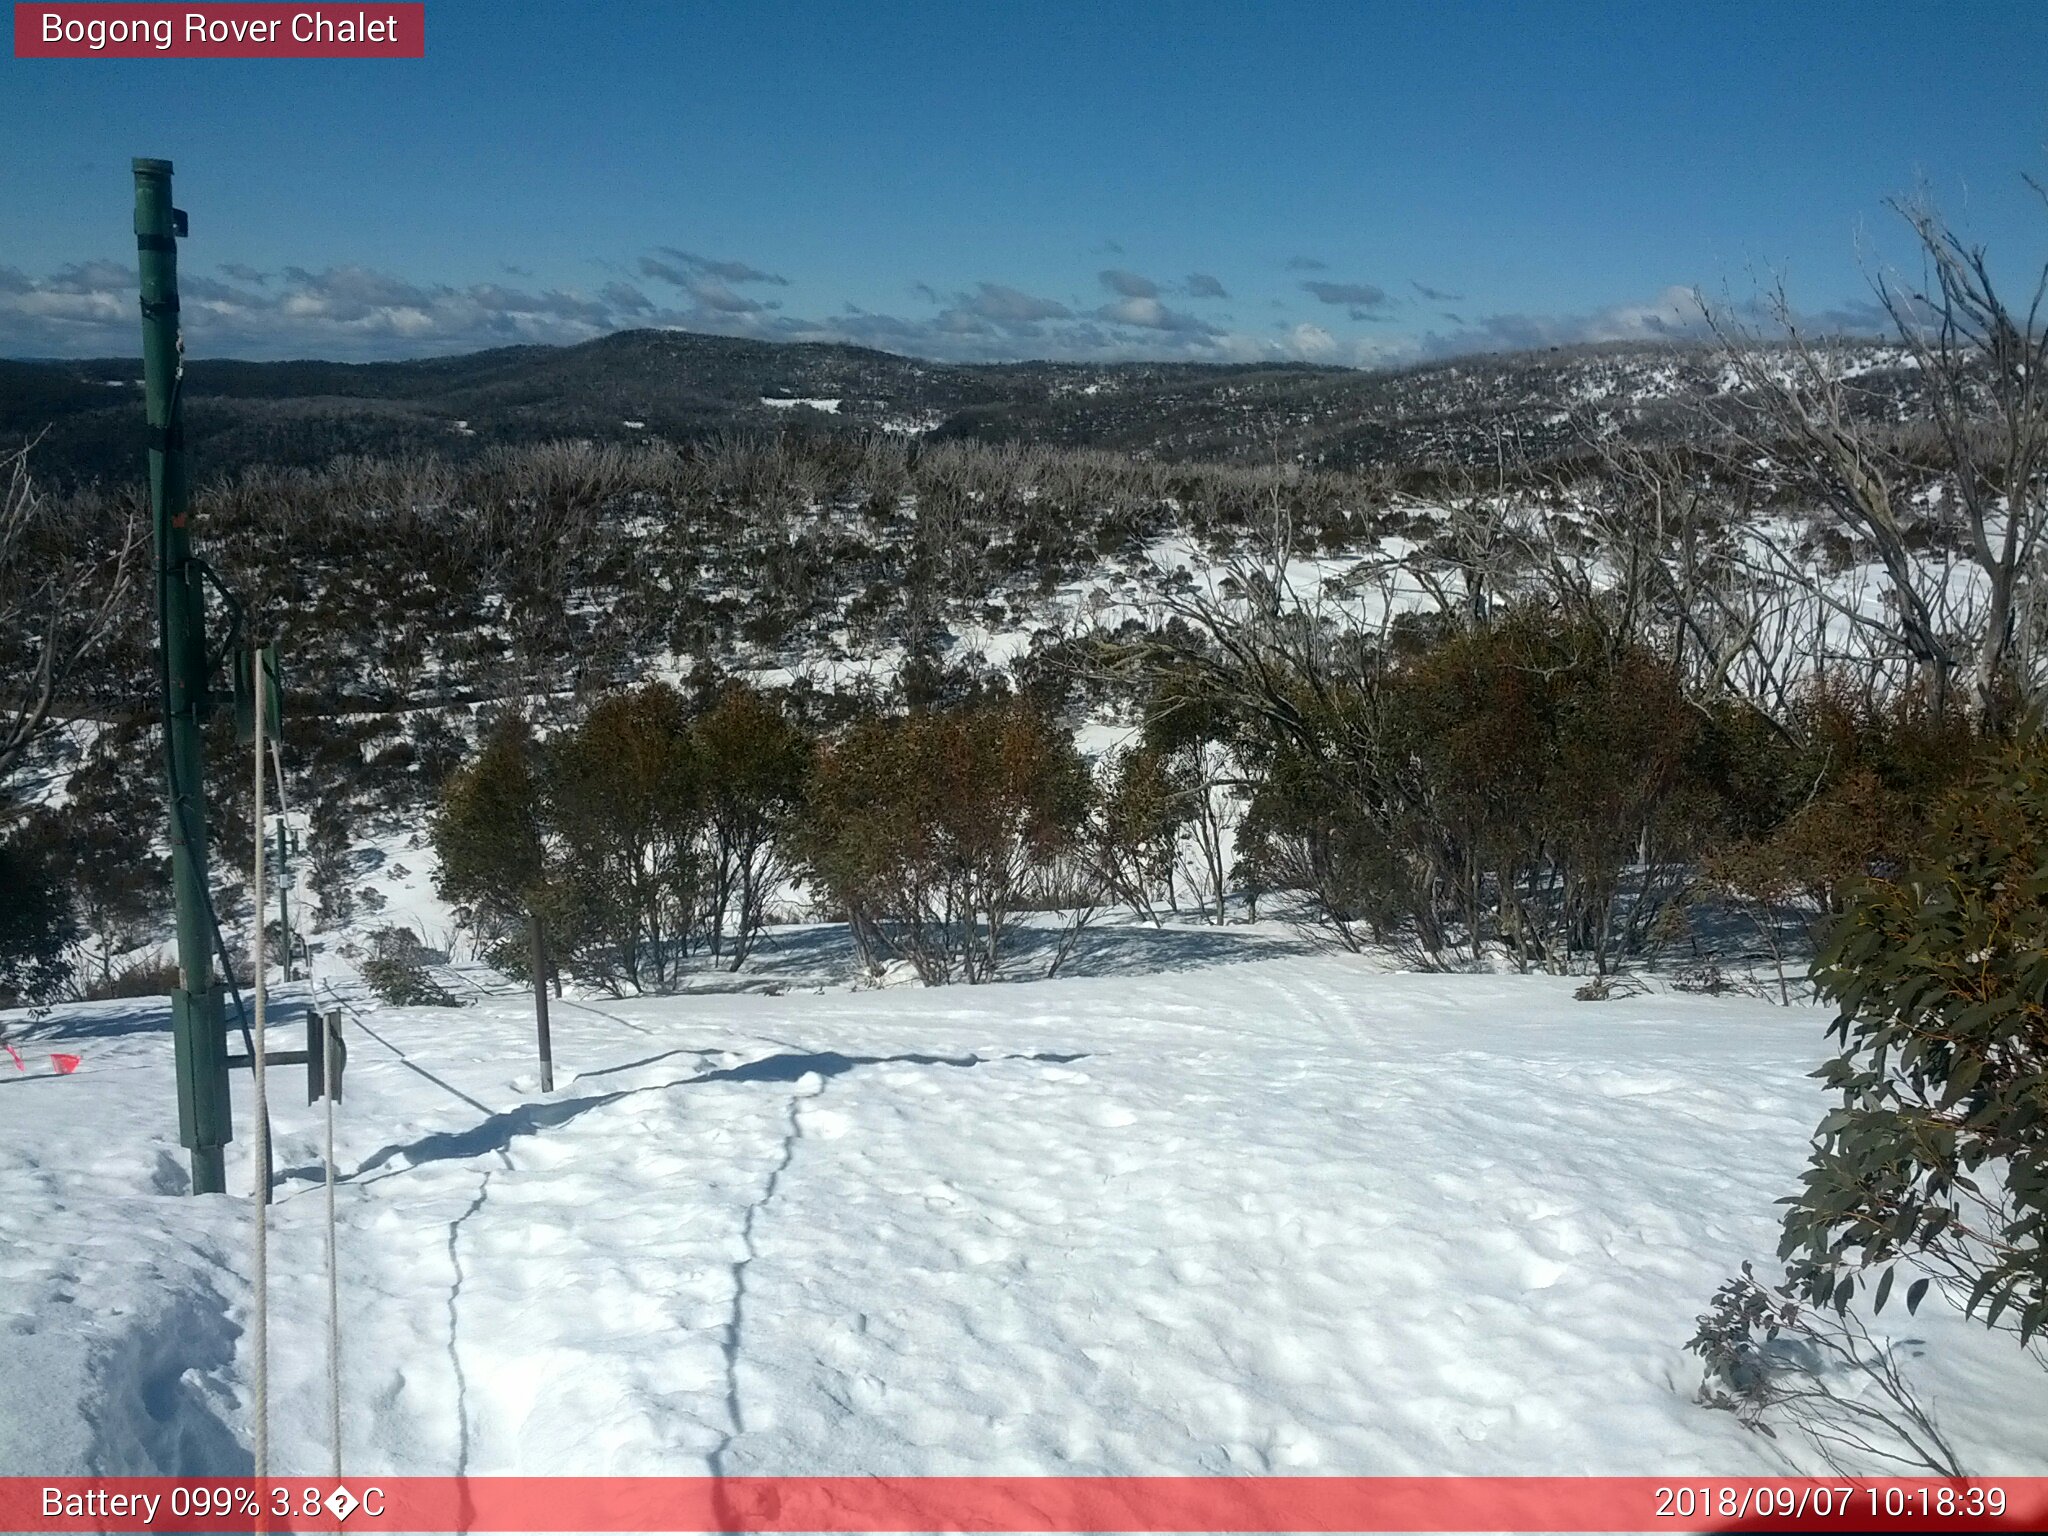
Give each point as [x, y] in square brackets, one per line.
[323, 1034]
[314, 1057]
[203, 1105]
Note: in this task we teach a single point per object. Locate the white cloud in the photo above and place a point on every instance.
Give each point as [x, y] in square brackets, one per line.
[1311, 341]
[1672, 315]
[87, 309]
[1151, 315]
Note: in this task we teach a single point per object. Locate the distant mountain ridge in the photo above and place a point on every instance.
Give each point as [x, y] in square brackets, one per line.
[682, 385]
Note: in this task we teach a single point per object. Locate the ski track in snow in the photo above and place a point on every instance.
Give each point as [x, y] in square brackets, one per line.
[1295, 1215]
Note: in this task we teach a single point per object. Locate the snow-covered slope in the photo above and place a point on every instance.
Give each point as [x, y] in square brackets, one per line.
[1295, 1214]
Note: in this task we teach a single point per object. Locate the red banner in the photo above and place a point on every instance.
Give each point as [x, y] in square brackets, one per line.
[101, 31]
[1024, 1504]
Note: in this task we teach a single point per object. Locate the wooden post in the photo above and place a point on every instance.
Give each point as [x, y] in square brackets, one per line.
[538, 944]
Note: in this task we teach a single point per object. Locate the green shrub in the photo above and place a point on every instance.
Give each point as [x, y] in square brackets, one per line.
[486, 828]
[624, 806]
[1136, 829]
[933, 830]
[1848, 790]
[653, 829]
[1528, 787]
[396, 972]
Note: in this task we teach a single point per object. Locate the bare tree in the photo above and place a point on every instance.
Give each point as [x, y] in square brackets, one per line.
[1978, 364]
[1213, 788]
[1982, 363]
[1249, 644]
[65, 574]
[1676, 538]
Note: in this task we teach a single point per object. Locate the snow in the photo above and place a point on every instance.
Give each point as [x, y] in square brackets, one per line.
[1211, 1203]
[399, 867]
[1225, 1205]
[829, 407]
[912, 425]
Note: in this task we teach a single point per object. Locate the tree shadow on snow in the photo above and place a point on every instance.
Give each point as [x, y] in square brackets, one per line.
[1139, 949]
[109, 1021]
[496, 1132]
[823, 954]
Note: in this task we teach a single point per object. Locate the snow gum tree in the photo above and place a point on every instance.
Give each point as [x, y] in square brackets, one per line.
[645, 833]
[624, 801]
[67, 568]
[1193, 738]
[1135, 829]
[754, 762]
[933, 830]
[486, 833]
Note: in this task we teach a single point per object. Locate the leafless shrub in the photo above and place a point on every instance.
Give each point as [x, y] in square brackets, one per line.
[67, 566]
[1768, 1355]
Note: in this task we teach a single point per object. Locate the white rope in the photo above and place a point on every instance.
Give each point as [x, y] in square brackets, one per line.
[333, 1268]
[261, 1329]
[327, 1077]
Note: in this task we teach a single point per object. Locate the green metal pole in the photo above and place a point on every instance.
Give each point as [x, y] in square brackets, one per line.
[197, 1020]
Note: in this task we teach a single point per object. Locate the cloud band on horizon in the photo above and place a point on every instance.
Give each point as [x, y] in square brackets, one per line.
[353, 313]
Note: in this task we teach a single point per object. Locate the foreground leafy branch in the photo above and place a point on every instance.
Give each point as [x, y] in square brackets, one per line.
[1938, 1149]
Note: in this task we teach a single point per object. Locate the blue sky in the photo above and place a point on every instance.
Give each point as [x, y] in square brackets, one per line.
[1347, 182]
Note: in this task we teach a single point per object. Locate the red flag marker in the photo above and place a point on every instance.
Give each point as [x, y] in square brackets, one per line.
[63, 1062]
[19, 1064]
